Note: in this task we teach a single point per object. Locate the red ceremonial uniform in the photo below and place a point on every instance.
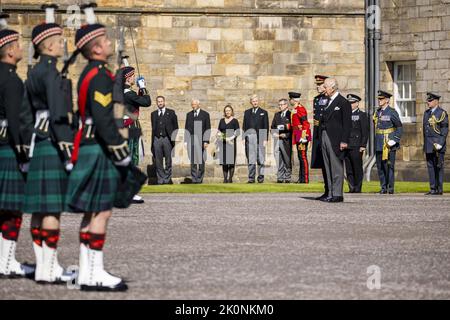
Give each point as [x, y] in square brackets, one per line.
[301, 129]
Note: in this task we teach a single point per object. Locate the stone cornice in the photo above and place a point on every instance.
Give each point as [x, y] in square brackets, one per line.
[202, 11]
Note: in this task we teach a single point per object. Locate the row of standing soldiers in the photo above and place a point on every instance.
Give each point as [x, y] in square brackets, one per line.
[54, 161]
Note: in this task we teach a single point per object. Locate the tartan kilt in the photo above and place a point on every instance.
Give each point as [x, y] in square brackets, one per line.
[96, 184]
[93, 182]
[12, 181]
[47, 179]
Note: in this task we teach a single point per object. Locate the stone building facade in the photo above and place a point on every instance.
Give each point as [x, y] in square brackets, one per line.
[415, 58]
[223, 51]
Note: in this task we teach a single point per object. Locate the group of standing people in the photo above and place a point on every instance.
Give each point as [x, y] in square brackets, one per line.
[54, 161]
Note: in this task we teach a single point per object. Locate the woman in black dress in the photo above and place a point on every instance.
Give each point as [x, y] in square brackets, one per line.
[226, 140]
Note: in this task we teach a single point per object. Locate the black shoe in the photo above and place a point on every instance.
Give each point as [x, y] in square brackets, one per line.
[121, 287]
[383, 192]
[325, 195]
[260, 179]
[431, 193]
[230, 181]
[138, 201]
[326, 199]
[391, 192]
[287, 181]
[335, 199]
[251, 181]
[280, 181]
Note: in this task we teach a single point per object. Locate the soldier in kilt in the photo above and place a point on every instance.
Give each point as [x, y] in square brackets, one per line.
[102, 156]
[51, 143]
[133, 101]
[12, 154]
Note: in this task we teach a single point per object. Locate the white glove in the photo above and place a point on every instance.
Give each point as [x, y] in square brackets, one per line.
[280, 127]
[123, 163]
[303, 140]
[69, 166]
[141, 82]
[391, 143]
[24, 167]
[437, 146]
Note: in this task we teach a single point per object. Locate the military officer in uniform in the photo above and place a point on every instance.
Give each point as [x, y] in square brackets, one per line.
[388, 132]
[301, 135]
[133, 101]
[356, 145]
[51, 143]
[320, 103]
[281, 132]
[435, 131]
[100, 152]
[12, 153]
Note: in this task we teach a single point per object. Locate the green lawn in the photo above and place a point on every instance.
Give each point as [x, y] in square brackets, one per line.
[368, 187]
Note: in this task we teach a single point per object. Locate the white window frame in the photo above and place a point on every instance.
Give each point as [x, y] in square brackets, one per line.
[412, 97]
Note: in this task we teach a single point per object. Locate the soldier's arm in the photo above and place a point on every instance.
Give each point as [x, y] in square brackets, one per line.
[59, 117]
[444, 129]
[102, 109]
[397, 134]
[364, 129]
[26, 120]
[139, 101]
[13, 96]
[306, 126]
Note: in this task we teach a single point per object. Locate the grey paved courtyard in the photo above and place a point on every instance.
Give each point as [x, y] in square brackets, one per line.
[265, 246]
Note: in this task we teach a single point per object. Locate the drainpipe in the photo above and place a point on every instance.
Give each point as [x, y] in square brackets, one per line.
[373, 36]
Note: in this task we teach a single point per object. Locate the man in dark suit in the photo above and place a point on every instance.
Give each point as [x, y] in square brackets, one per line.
[164, 126]
[281, 132]
[197, 136]
[435, 132]
[256, 134]
[357, 145]
[335, 127]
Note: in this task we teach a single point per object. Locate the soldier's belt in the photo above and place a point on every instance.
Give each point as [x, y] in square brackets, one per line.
[3, 128]
[385, 131]
[316, 123]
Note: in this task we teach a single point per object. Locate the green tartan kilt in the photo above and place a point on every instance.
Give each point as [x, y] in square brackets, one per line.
[47, 179]
[12, 182]
[96, 184]
[93, 181]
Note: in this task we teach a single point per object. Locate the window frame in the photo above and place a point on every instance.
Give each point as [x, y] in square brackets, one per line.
[408, 119]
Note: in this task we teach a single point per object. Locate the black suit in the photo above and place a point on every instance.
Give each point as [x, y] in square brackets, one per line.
[283, 146]
[256, 131]
[335, 127]
[353, 160]
[163, 127]
[198, 132]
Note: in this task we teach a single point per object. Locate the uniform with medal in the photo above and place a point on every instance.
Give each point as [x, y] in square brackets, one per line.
[435, 132]
[388, 132]
[359, 136]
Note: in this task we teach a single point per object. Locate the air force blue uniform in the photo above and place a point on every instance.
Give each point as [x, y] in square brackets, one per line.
[388, 126]
[435, 131]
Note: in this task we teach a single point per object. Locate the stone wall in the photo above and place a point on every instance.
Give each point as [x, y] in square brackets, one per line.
[224, 51]
[417, 30]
